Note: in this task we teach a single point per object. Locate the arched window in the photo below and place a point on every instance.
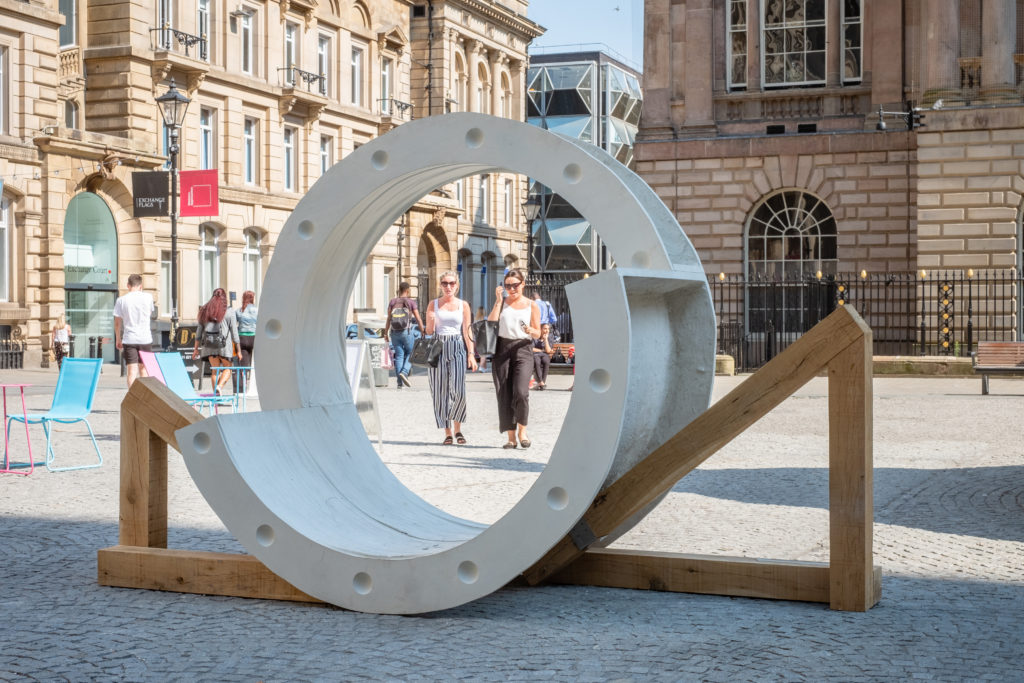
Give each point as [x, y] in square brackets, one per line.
[252, 263]
[209, 263]
[791, 235]
[482, 89]
[506, 98]
[459, 86]
[5, 251]
[488, 282]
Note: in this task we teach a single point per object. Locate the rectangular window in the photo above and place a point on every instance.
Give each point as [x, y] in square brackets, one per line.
[357, 76]
[483, 209]
[68, 33]
[5, 92]
[165, 284]
[326, 156]
[207, 144]
[385, 85]
[209, 264]
[252, 264]
[793, 43]
[289, 159]
[248, 48]
[459, 190]
[508, 202]
[203, 28]
[323, 63]
[291, 55]
[736, 44]
[249, 150]
[5, 251]
[165, 22]
[853, 40]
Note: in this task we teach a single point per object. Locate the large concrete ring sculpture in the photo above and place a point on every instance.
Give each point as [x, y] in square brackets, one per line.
[300, 484]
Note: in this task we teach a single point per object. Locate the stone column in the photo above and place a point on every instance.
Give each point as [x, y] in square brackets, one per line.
[754, 82]
[655, 122]
[472, 50]
[699, 77]
[942, 48]
[517, 107]
[835, 52]
[497, 61]
[998, 41]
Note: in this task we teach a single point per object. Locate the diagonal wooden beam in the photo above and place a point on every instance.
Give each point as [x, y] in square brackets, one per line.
[718, 425]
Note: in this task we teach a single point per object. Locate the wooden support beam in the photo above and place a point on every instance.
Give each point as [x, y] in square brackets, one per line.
[707, 574]
[850, 478]
[150, 413]
[193, 571]
[718, 425]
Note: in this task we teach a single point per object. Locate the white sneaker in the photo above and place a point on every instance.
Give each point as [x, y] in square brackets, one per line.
[404, 379]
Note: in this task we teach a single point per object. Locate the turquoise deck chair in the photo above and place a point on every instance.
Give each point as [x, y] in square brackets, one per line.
[72, 402]
[177, 380]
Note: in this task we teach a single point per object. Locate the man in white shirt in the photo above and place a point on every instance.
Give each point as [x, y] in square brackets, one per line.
[132, 313]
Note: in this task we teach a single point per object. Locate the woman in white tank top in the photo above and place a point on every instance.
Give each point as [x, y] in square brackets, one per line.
[518, 325]
[448, 317]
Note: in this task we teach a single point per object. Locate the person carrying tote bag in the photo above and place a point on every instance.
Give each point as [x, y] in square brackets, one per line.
[448, 320]
[518, 325]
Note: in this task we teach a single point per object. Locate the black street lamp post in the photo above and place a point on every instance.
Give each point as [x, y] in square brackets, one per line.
[173, 105]
[531, 211]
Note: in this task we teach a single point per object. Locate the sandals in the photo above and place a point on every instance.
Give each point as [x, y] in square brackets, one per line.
[525, 443]
[459, 438]
[510, 444]
[447, 441]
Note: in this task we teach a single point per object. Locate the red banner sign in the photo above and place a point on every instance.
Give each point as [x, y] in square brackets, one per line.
[199, 196]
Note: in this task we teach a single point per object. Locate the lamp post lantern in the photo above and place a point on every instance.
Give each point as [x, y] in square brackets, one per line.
[531, 211]
[173, 105]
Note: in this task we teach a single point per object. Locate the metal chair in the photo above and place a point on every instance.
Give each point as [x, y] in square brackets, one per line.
[72, 402]
[175, 376]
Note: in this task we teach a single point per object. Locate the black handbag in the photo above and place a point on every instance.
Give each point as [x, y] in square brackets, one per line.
[485, 337]
[426, 351]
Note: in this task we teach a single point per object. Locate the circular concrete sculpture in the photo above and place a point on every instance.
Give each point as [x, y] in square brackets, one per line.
[300, 484]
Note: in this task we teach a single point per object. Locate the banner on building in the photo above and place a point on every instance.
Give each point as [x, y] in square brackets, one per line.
[150, 190]
[199, 196]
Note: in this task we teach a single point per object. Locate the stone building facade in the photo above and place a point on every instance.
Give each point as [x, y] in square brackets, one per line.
[761, 131]
[280, 91]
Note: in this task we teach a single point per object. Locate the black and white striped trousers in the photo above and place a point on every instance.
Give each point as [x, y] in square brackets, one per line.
[448, 382]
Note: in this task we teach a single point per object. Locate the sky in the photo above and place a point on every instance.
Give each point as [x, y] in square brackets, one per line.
[616, 23]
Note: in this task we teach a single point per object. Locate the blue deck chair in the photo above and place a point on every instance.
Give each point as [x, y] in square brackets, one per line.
[177, 380]
[72, 402]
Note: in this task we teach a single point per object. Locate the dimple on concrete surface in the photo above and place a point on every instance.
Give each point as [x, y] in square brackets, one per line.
[949, 534]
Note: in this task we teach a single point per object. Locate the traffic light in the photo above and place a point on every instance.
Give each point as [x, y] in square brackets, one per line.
[914, 117]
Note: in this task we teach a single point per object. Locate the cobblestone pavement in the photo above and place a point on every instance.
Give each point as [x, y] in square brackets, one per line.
[949, 535]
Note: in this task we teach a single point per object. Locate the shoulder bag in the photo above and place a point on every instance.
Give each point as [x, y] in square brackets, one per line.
[485, 335]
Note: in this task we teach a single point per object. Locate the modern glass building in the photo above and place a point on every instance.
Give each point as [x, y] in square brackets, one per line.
[589, 96]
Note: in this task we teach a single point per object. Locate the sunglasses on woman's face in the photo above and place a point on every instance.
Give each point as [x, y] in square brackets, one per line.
[448, 283]
[513, 285]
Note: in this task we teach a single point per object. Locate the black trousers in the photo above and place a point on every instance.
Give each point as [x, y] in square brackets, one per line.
[511, 370]
[541, 363]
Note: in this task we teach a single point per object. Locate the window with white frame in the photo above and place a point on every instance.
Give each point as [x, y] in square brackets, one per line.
[357, 76]
[483, 209]
[247, 36]
[326, 154]
[291, 51]
[853, 40]
[359, 289]
[460, 189]
[323, 63]
[5, 251]
[249, 145]
[736, 44]
[506, 98]
[165, 283]
[794, 42]
[209, 263]
[165, 22]
[68, 33]
[290, 165]
[207, 145]
[70, 114]
[203, 28]
[4, 91]
[386, 66]
[252, 262]
[508, 201]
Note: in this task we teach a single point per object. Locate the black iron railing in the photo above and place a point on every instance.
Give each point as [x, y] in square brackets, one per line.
[389, 106]
[923, 313]
[12, 354]
[171, 39]
[294, 77]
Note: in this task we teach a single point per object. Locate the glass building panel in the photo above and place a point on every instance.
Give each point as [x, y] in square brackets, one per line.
[532, 106]
[565, 77]
[587, 82]
[557, 207]
[571, 126]
[794, 42]
[565, 102]
[620, 105]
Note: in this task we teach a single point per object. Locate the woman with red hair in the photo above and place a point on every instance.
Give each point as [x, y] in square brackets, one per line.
[217, 336]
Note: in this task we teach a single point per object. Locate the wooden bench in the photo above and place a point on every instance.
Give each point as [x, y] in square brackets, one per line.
[998, 358]
[568, 352]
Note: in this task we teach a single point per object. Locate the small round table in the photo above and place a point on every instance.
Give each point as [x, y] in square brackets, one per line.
[7, 464]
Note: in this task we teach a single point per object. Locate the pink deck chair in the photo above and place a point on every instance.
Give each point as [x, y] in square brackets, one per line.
[148, 359]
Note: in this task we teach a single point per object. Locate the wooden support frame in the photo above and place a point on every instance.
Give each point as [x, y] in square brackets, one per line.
[840, 345]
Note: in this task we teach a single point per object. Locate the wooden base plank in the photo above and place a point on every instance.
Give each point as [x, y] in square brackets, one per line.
[193, 571]
[705, 574]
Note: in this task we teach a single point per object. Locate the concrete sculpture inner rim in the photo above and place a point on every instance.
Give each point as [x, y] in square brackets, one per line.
[300, 484]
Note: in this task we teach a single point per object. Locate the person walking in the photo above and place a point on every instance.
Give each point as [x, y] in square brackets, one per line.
[216, 337]
[399, 331]
[132, 333]
[246, 317]
[542, 356]
[512, 365]
[448, 317]
[547, 311]
[60, 340]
